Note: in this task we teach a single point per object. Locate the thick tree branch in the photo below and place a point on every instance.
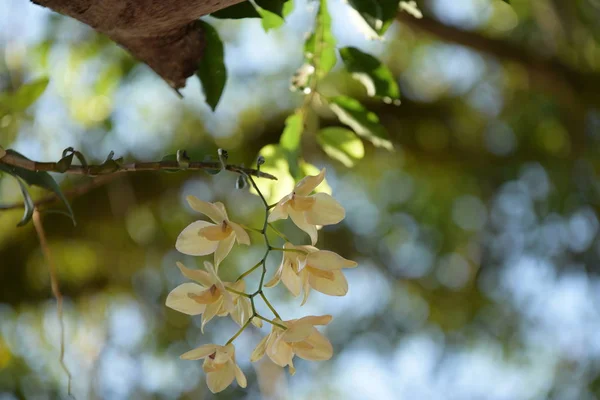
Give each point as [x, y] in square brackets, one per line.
[549, 72]
[160, 33]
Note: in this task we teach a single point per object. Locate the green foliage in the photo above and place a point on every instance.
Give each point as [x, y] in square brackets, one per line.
[378, 14]
[25, 96]
[290, 140]
[34, 178]
[28, 202]
[319, 48]
[212, 71]
[341, 144]
[272, 12]
[364, 122]
[241, 10]
[372, 73]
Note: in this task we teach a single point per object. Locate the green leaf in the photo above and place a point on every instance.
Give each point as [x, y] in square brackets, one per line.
[25, 96]
[341, 144]
[290, 140]
[319, 48]
[28, 202]
[364, 122]
[269, 20]
[211, 71]
[271, 11]
[276, 164]
[38, 178]
[378, 14]
[2, 152]
[237, 11]
[276, 7]
[368, 70]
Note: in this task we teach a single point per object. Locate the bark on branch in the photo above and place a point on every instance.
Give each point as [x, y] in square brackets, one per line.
[114, 167]
[160, 33]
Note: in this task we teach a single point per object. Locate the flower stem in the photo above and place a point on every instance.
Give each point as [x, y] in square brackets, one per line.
[238, 293]
[262, 295]
[245, 274]
[239, 331]
[270, 321]
[292, 250]
[278, 233]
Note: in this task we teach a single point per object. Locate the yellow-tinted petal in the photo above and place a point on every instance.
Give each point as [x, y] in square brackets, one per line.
[279, 351]
[306, 287]
[276, 278]
[315, 348]
[179, 299]
[223, 249]
[297, 332]
[239, 376]
[191, 243]
[211, 311]
[314, 320]
[209, 209]
[338, 286]
[309, 183]
[325, 211]
[224, 353]
[221, 208]
[217, 281]
[216, 232]
[280, 211]
[291, 280]
[195, 274]
[207, 296]
[328, 261]
[300, 221]
[259, 350]
[200, 352]
[219, 380]
[240, 234]
[302, 203]
[319, 273]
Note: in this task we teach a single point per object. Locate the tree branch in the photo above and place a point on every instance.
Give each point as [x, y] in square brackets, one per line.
[115, 167]
[560, 78]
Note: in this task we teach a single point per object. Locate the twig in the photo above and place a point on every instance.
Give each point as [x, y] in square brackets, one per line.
[39, 228]
[113, 168]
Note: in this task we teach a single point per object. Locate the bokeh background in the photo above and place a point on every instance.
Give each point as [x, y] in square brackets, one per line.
[477, 238]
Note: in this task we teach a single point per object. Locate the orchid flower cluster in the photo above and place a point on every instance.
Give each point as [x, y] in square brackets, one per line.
[303, 267]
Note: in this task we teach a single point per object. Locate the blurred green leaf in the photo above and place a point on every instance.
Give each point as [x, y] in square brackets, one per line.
[319, 48]
[2, 152]
[341, 144]
[272, 12]
[25, 96]
[368, 70]
[27, 201]
[276, 164]
[212, 71]
[237, 11]
[269, 20]
[378, 14]
[364, 122]
[40, 179]
[290, 140]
